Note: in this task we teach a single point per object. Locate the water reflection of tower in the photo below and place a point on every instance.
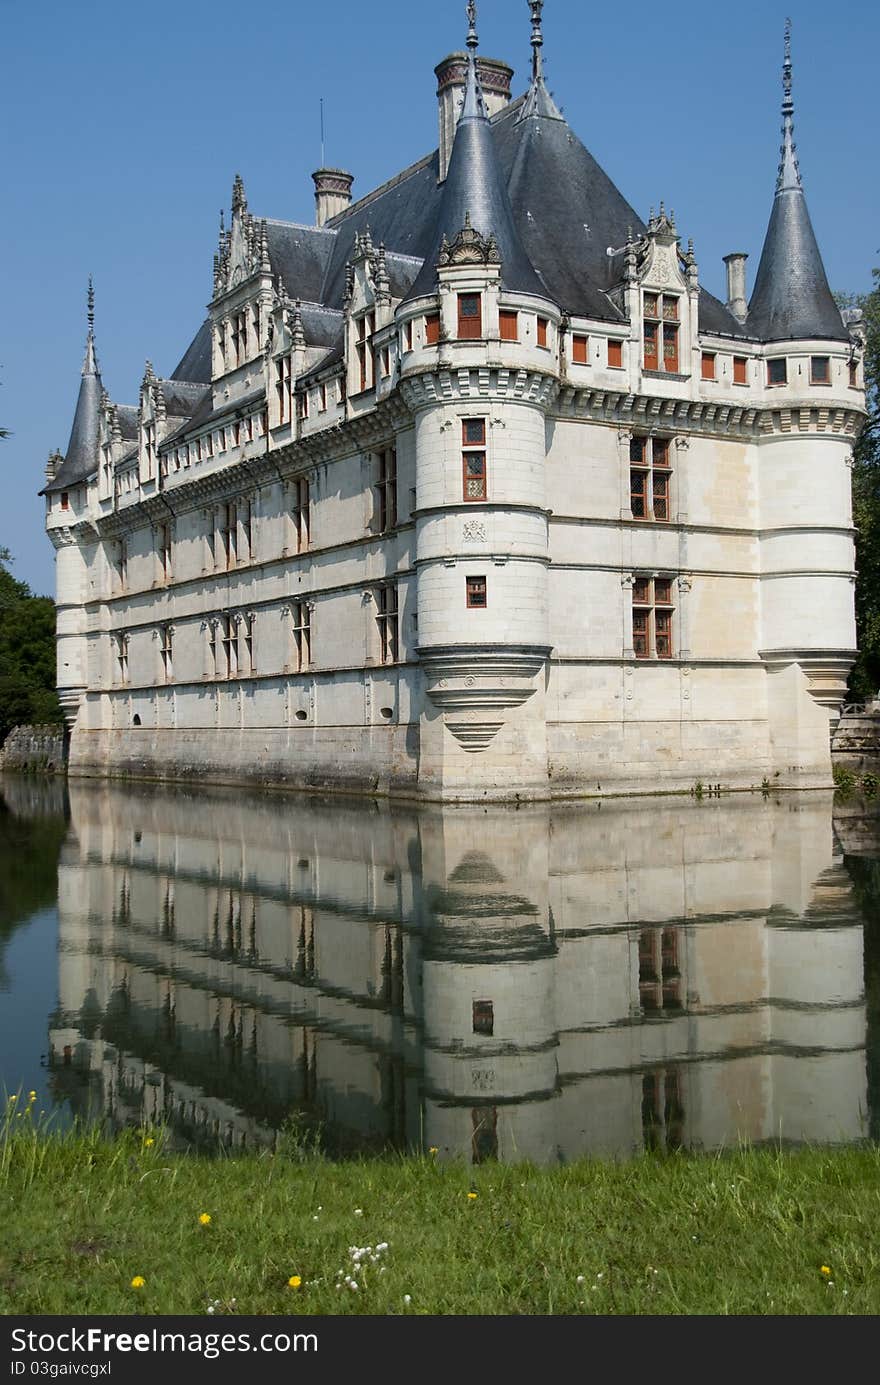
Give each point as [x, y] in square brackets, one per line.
[490, 1070]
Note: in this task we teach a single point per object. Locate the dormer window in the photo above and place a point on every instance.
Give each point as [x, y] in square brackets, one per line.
[660, 332]
[777, 371]
[365, 326]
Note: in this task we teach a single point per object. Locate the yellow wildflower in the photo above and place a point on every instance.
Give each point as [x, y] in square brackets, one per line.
[204, 1219]
[294, 1281]
[472, 1197]
[138, 1282]
[433, 1150]
[824, 1269]
[149, 1141]
[32, 1096]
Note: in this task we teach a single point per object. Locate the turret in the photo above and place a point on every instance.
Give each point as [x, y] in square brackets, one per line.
[791, 297]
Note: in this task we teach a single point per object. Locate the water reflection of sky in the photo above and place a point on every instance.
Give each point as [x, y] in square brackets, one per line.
[542, 982]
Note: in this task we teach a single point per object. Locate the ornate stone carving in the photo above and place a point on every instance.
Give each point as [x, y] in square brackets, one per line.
[469, 247]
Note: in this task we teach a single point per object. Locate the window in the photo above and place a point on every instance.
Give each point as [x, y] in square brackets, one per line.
[302, 404]
[302, 636]
[853, 375]
[579, 349]
[615, 355]
[385, 361]
[473, 458]
[470, 316]
[707, 365]
[652, 617]
[432, 329]
[122, 563]
[484, 1017]
[386, 490]
[120, 645]
[649, 477]
[777, 371]
[365, 326]
[165, 551]
[407, 336]
[65, 500]
[541, 330]
[322, 398]
[166, 636]
[228, 647]
[659, 974]
[301, 517]
[229, 535]
[484, 1137]
[246, 529]
[740, 370]
[475, 589]
[820, 370]
[149, 450]
[386, 620]
[282, 388]
[508, 322]
[244, 645]
[660, 331]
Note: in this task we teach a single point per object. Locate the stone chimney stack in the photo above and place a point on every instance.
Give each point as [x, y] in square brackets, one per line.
[332, 193]
[736, 284]
[495, 78]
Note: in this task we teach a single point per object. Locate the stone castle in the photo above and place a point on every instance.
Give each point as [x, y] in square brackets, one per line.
[471, 490]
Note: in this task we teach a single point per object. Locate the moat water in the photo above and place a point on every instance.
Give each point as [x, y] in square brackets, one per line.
[543, 982]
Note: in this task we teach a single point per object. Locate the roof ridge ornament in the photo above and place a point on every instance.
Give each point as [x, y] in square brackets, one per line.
[537, 40]
[788, 178]
[473, 42]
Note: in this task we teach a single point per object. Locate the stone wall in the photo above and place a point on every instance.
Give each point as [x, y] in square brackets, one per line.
[34, 750]
[855, 744]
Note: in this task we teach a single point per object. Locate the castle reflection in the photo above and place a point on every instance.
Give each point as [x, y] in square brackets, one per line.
[542, 982]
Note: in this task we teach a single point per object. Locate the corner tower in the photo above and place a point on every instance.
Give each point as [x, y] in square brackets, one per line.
[812, 403]
[478, 381]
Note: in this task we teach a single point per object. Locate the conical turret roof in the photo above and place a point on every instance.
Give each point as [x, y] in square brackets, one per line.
[475, 190]
[81, 456]
[791, 297]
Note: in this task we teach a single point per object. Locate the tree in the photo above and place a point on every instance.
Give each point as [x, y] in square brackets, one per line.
[27, 655]
[865, 677]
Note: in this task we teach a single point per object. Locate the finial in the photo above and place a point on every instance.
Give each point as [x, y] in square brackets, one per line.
[537, 40]
[786, 71]
[222, 222]
[472, 41]
[90, 300]
[789, 177]
[297, 334]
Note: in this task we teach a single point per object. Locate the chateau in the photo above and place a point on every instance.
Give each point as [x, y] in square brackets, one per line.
[471, 490]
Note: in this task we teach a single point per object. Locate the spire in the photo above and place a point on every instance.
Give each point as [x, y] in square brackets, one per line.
[475, 192]
[538, 99]
[536, 6]
[791, 297]
[789, 175]
[81, 457]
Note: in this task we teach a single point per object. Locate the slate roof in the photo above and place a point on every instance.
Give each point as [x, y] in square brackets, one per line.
[791, 297]
[476, 187]
[81, 456]
[195, 364]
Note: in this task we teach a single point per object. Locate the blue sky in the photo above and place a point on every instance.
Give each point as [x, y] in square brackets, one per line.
[124, 124]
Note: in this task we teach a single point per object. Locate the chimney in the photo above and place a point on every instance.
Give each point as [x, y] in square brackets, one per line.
[736, 284]
[495, 78]
[332, 193]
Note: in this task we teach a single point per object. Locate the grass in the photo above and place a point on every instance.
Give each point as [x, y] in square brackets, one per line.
[747, 1232]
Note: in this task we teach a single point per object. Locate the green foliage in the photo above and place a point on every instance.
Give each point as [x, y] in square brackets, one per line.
[865, 677]
[27, 655]
[127, 1226]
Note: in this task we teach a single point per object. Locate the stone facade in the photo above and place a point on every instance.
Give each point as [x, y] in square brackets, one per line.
[409, 519]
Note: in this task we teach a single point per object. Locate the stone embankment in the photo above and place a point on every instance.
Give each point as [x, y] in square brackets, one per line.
[855, 741]
[34, 750]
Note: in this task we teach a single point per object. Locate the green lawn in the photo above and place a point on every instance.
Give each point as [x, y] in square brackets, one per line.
[748, 1232]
